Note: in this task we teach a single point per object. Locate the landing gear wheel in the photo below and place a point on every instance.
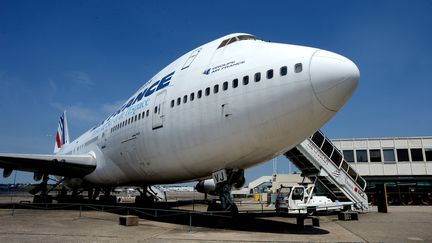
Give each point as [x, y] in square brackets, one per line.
[234, 178]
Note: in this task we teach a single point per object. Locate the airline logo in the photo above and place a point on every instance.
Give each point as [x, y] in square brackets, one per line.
[156, 86]
[60, 136]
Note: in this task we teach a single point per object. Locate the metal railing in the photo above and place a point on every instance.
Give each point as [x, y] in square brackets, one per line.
[335, 155]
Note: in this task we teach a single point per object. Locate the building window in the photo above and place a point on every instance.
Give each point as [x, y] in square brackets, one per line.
[375, 155]
[428, 153]
[270, 74]
[298, 68]
[172, 103]
[216, 89]
[178, 101]
[416, 154]
[348, 155]
[225, 86]
[199, 94]
[185, 99]
[245, 80]
[207, 91]
[257, 77]
[192, 96]
[283, 71]
[402, 155]
[389, 155]
[361, 155]
[235, 83]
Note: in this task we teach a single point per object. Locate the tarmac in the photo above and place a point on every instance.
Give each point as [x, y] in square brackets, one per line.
[401, 224]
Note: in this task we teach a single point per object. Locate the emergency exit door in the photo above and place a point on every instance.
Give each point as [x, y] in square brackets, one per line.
[158, 110]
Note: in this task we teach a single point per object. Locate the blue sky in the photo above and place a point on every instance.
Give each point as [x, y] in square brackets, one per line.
[89, 56]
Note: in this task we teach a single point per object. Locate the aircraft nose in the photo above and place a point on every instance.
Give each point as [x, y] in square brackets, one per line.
[334, 78]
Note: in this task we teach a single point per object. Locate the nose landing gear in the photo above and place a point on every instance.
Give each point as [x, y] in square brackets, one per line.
[225, 180]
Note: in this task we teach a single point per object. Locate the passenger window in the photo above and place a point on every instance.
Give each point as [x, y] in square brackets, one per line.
[298, 68]
[216, 89]
[270, 74]
[207, 91]
[178, 101]
[143, 114]
[235, 83]
[283, 71]
[147, 113]
[199, 94]
[155, 109]
[128, 121]
[185, 99]
[192, 96]
[139, 116]
[245, 80]
[136, 117]
[172, 103]
[225, 86]
[257, 77]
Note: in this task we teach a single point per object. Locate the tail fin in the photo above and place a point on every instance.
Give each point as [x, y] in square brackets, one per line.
[62, 135]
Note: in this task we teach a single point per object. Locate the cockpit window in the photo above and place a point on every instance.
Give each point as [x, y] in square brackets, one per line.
[236, 38]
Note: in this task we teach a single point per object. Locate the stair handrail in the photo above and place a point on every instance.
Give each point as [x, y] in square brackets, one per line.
[363, 188]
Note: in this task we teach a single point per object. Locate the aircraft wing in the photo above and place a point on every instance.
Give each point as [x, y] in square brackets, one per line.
[52, 164]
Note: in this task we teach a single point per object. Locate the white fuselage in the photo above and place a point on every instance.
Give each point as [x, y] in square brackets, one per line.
[174, 137]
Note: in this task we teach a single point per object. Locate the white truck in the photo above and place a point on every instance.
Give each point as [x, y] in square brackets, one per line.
[299, 199]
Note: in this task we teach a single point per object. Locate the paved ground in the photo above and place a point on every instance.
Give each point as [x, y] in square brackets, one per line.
[402, 224]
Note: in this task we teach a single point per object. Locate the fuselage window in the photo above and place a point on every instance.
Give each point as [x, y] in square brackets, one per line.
[192, 96]
[207, 91]
[185, 99]
[128, 121]
[234, 39]
[199, 94]
[178, 101]
[283, 71]
[136, 117]
[216, 89]
[223, 43]
[235, 83]
[139, 116]
[172, 103]
[155, 109]
[143, 115]
[147, 113]
[225, 86]
[245, 80]
[298, 68]
[270, 74]
[257, 77]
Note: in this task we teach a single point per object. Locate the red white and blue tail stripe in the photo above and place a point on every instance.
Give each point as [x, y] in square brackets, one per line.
[62, 135]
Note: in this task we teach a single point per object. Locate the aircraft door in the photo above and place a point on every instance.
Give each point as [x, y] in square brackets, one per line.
[158, 110]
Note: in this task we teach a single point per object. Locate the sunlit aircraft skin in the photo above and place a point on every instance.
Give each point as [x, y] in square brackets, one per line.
[193, 118]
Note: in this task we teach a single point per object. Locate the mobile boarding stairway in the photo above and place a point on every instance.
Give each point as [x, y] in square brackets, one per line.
[321, 161]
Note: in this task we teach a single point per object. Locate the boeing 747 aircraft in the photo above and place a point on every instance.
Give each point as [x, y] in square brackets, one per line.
[220, 108]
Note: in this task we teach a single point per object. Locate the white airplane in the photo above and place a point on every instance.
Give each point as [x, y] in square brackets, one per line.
[223, 107]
